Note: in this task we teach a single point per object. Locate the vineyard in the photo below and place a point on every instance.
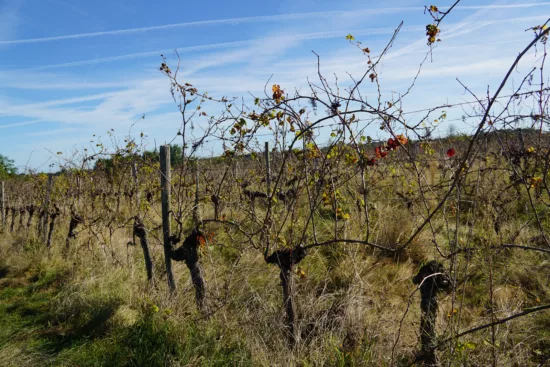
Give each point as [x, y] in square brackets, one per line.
[283, 249]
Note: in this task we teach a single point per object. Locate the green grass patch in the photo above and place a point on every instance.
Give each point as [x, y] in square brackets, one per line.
[46, 319]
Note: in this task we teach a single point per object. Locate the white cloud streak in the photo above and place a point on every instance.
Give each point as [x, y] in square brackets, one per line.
[264, 18]
[14, 110]
[455, 30]
[217, 46]
[5, 126]
[119, 109]
[9, 19]
[137, 55]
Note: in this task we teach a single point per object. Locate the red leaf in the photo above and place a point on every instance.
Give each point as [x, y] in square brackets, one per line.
[392, 144]
[379, 152]
[450, 153]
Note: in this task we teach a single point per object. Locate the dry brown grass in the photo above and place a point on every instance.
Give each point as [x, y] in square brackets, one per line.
[355, 305]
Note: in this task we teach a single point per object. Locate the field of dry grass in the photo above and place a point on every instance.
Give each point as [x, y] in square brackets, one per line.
[355, 304]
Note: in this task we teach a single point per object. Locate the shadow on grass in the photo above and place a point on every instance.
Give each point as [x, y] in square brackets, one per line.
[84, 327]
[4, 271]
[29, 305]
[153, 341]
[86, 331]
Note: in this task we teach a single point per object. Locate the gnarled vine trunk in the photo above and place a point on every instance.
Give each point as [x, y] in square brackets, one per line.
[75, 221]
[141, 233]
[189, 252]
[285, 260]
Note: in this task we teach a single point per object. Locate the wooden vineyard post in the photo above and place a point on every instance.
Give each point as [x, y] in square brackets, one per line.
[268, 185]
[196, 203]
[268, 169]
[3, 206]
[136, 185]
[235, 169]
[45, 209]
[165, 191]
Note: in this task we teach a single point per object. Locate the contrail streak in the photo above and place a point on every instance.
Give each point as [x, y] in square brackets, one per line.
[264, 18]
[20, 124]
[217, 46]
[141, 54]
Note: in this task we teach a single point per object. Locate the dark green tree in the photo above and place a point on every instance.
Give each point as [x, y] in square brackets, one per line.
[176, 155]
[7, 167]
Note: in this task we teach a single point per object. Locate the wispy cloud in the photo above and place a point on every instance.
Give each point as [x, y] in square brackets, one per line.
[276, 40]
[463, 28]
[137, 55]
[229, 21]
[263, 18]
[49, 81]
[52, 132]
[500, 6]
[477, 46]
[120, 108]
[24, 123]
[8, 110]
[9, 19]
[452, 30]
[223, 45]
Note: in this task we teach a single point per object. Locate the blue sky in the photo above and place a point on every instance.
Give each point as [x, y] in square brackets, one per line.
[70, 69]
